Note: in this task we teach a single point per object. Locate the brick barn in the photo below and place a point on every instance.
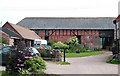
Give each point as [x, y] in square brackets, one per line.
[94, 31]
[19, 34]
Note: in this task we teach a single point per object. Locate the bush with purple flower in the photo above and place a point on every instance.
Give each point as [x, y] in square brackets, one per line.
[17, 59]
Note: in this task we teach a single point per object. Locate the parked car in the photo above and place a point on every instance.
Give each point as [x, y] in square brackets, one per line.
[40, 47]
[34, 51]
[4, 53]
[48, 47]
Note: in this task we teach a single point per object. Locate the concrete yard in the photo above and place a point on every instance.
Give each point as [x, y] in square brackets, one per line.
[84, 65]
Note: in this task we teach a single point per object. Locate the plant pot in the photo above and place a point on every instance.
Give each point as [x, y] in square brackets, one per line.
[77, 51]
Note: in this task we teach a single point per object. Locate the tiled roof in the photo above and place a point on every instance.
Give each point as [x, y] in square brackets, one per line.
[25, 33]
[10, 33]
[67, 22]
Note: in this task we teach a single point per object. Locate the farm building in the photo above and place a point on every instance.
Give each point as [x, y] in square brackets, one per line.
[19, 34]
[8, 35]
[117, 23]
[117, 33]
[94, 31]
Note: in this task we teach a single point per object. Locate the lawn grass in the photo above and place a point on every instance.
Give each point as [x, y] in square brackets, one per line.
[83, 54]
[63, 63]
[114, 61]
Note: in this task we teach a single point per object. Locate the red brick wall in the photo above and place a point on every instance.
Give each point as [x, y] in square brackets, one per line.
[88, 37]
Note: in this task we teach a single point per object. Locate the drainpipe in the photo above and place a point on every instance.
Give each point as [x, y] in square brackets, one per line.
[117, 38]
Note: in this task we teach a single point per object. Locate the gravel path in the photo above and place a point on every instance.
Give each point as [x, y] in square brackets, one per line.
[84, 65]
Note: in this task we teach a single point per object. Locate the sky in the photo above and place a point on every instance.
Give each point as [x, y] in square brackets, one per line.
[16, 10]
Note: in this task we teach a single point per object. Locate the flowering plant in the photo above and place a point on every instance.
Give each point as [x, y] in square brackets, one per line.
[47, 53]
[17, 58]
[34, 65]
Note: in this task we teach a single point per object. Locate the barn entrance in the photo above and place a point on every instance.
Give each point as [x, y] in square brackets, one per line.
[106, 42]
[79, 38]
[106, 38]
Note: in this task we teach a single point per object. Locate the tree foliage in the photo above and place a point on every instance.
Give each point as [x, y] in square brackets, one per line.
[60, 45]
[51, 42]
[73, 41]
[3, 41]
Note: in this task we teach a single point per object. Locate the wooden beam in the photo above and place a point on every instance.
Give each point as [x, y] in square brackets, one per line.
[52, 32]
[73, 31]
[95, 32]
[86, 32]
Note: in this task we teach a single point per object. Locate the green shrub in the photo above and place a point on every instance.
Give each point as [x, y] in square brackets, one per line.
[85, 46]
[35, 65]
[110, 49]
[3, 41]
[52, 54]
[60, 45]
[73, 41]
[83, 50]
[78, 49]
[99, 49]
[74, 45]
[17, 58]
[47, 53]
[114, 61]
[73, 48]
[51, 42]
[43, 53]
[67, 51]
[66, 42]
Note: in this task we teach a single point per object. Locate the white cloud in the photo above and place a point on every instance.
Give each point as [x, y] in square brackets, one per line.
[15, 10]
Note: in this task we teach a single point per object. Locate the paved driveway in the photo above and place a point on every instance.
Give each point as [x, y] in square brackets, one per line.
[84, 65]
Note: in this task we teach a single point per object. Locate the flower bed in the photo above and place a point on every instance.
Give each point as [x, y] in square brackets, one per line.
[54, 55]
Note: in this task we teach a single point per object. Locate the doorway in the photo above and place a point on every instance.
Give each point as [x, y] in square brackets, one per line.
[106, 42]
[79, 38]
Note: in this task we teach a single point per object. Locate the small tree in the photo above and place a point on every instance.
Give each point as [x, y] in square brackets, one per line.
[73, 41]
[60, 45]
[74, 44]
